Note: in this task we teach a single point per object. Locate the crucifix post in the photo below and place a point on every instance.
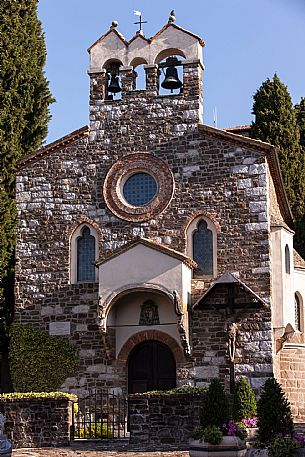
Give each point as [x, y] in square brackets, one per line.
[232, 330]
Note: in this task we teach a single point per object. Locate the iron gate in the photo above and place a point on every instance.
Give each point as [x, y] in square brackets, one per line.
[101, 415]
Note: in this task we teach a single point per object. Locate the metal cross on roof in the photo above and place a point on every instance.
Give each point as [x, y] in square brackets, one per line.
[138, 13]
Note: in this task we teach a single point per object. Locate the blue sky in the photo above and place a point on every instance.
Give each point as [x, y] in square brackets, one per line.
[247, 41]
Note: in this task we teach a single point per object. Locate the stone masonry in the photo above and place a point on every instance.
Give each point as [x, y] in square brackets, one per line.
[37, 422]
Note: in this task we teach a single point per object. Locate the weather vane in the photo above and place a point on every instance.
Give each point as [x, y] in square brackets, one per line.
[138, 13]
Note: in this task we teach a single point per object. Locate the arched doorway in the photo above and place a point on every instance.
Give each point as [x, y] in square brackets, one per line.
[151, 366]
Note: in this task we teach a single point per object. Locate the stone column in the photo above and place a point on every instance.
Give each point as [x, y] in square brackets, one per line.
[98, 86]
[152, 79]
[128, 80]
[192, 82]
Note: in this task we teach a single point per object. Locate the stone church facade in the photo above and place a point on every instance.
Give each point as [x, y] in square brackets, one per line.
[160, 247]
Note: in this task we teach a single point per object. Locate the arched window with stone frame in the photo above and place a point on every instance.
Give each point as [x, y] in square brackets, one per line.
[202, 246]
[83, 254]
[298, 312]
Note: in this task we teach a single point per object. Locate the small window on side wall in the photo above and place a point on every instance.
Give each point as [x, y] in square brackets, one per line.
[298, 310]
[287, 259]
[202, 246]
[84, 253]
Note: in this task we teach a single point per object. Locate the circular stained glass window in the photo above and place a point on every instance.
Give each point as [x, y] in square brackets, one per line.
[139, 189]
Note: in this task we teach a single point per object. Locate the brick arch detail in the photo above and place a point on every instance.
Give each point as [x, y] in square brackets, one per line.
[147, 335]
[196, 215]
[86, 220]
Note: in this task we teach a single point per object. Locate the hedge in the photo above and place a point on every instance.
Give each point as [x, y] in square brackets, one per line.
[39, 362]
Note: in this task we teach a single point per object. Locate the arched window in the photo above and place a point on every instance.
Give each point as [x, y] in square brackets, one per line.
[84, 253]
[298, 313]
[287, 259]
[203, 248]
[85, 256]
[202, 245]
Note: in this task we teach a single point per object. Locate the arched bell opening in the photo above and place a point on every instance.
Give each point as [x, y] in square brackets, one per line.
[151, 366]
[113, 88]
[139, 73]
[171, 71]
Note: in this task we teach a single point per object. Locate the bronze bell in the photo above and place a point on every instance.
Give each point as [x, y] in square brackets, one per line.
[114, 86]
[171, 80]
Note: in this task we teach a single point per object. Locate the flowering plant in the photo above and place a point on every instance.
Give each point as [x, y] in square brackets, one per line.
[232, 428]
[249, 423]
[300, 439]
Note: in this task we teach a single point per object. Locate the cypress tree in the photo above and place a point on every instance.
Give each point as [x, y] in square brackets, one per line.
[299, 239]
[276, 123]
[24, 115]
[300, 116]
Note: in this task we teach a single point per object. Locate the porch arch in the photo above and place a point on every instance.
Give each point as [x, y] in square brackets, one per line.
[113, 298]
[148, 335]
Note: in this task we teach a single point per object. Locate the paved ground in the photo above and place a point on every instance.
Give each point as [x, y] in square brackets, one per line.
[68, 452]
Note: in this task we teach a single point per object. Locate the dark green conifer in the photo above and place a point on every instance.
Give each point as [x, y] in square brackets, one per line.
[299, 239]
[244, 403]
[215, 406]
[24, 115]
[276, 123]
[300, 116]
[273, 412]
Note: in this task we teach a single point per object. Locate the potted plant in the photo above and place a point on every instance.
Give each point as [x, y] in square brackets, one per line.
[276, 436]
[244, 409]
[218, 435]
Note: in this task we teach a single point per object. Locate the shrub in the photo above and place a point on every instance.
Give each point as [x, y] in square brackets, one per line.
[176, 390]
[198, 433]
[244, 403]
[282, 447]
[214, 408]
[273, 413]
[39, 362]
[26, 395]
[94, 431]
[212, 434]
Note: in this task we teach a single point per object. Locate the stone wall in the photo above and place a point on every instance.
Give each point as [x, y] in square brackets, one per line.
[37, 422]
[163, 420]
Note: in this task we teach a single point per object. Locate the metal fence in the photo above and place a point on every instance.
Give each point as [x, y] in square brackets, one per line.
[101, 415]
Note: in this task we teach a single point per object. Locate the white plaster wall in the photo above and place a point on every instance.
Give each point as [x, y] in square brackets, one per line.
[299, 288]
[125, 316]
[277, 278]
[142, 265]
[282, 282]
[112, 47]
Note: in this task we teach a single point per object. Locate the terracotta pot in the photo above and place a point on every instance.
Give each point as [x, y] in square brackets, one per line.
[230, 446]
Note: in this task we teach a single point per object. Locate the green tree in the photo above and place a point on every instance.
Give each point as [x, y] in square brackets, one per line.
[276, 123]
[300, 116]
[299, 239]
[24, 115]
[215, 406]
[244, 403]
[273, 412]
